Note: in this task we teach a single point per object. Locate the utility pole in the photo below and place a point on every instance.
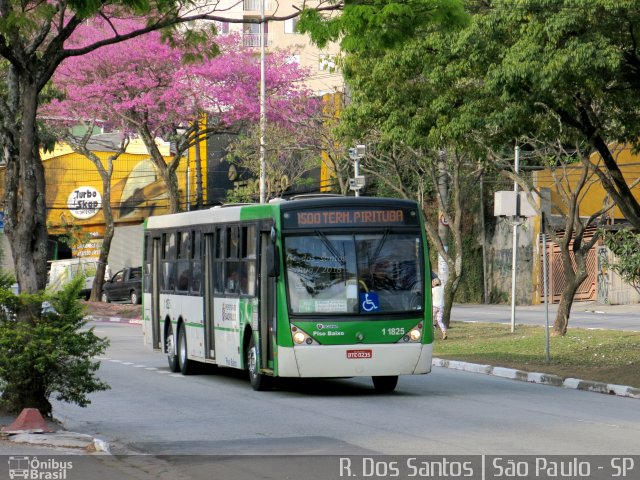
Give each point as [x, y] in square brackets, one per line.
[545, 287]
[263, 109]
[483, 236]
[515, 243]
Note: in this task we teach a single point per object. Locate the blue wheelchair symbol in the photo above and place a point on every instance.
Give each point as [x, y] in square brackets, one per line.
[369, 302]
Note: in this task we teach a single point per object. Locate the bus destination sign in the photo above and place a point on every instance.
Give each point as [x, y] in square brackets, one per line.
[350, 217]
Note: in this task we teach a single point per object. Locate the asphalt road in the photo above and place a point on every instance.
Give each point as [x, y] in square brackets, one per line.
[150, 410]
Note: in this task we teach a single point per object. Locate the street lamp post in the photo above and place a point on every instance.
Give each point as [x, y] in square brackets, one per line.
[263, 110]
[515, 208]
[358, 181]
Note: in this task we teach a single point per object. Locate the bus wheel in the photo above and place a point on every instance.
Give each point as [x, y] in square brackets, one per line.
[258, 381]
[172, 356]
[186, 365]
[385, 384]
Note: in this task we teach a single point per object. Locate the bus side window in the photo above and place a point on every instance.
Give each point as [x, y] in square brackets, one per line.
[196, 262]
[233, 277]
[184, 264]
[248, 258]
[148, 248]
[219, 283]
[169, 262]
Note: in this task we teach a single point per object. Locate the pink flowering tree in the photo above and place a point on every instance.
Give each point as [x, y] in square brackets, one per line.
[146, 85]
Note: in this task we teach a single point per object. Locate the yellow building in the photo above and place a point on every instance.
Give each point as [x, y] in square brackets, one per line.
[74, 191]
[603, 284]
[595, 196]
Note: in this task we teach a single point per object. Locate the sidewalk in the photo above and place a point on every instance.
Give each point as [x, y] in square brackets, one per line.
[57, 442]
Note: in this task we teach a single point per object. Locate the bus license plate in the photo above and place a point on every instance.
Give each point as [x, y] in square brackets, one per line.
[359, 353]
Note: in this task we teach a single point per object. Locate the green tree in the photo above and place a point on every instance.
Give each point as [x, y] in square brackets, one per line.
[576, 60]
[380, 25]
[625, 244]
[288, 158]
[51, 354]
[418, 106]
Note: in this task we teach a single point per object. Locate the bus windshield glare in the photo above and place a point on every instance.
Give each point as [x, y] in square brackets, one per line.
[354, 274]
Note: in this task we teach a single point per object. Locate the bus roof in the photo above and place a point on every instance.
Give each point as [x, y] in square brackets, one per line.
[234, 213]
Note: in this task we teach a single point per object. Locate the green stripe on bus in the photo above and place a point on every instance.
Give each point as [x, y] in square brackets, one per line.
[224, 329]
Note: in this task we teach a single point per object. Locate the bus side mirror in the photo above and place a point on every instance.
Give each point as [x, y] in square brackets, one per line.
[273, 259]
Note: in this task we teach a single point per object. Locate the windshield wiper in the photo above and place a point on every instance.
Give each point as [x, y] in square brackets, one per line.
[327, 243]
[380, 245]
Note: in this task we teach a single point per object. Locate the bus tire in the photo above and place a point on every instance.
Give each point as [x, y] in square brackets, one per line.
[385, 384]
[259, 382]
[172, 356]
[186, 365]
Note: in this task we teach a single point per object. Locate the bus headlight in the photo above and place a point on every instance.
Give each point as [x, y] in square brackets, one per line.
[415, 335]
[300, 337]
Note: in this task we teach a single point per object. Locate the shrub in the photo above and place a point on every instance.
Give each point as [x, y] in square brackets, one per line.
[45, 350]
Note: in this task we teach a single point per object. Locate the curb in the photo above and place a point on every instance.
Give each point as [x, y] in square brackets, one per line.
[541, 378]
[99, 318]
[62, 440]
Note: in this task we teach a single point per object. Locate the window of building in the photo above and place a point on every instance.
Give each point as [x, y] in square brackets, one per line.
[290, 25]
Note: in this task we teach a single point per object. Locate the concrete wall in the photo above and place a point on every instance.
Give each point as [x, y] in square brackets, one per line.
[500, 261]
[611, 288]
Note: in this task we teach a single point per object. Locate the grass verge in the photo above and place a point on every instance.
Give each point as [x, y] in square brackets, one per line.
[611, 356]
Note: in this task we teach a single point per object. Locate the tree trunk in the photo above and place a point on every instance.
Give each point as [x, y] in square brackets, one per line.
[103, 258]
[443, 235]
[450, 289]
[25, 207]
[107, 211]
[574, 280]
[615, 184]
[167, 172]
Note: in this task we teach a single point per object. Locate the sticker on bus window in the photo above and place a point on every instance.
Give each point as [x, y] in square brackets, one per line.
[331, 306]
[369, 302]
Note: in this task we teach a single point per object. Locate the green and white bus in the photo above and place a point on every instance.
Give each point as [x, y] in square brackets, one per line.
[321, 286]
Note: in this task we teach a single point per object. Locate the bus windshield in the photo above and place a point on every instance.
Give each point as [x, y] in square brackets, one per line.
[354, 274]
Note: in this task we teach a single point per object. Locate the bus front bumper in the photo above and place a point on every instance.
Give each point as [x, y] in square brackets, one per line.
[347, 361]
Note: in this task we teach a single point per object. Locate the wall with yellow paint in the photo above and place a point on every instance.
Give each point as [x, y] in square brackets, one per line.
[594, 198]
[596, 195]
[332, 109]
[74, 187]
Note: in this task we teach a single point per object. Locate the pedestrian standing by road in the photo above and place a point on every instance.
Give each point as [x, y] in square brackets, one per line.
[437, 299]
